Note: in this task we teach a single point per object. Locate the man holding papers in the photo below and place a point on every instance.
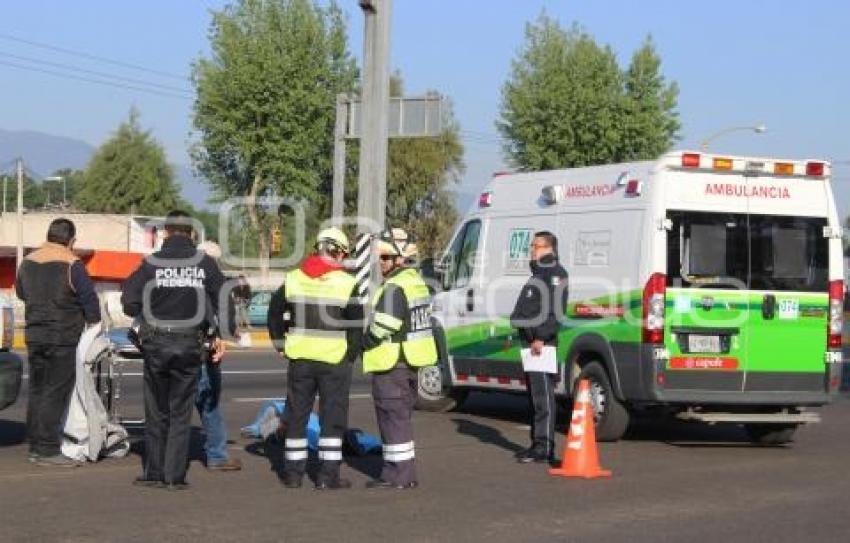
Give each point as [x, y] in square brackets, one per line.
[539, 309]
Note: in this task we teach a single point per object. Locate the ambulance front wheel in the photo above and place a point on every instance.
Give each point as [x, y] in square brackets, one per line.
[434, 393]
[611, 418]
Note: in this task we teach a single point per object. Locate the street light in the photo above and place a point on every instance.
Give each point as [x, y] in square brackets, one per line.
[64, 187]
[758, 129]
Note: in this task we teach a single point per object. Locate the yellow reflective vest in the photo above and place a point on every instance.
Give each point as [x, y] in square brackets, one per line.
[409, 334]
[316, 330]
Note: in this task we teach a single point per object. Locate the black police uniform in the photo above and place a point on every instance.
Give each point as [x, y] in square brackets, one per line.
[173, 291]
[541, 304]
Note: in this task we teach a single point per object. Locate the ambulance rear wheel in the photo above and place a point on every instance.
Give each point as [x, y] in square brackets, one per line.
[770, 434]
[611, 418]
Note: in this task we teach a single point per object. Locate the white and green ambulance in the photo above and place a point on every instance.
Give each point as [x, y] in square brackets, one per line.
[706, 285]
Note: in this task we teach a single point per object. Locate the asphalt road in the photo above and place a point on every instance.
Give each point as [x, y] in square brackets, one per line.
[672, 482]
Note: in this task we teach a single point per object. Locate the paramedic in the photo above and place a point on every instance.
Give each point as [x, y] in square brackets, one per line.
[398, 342]
[541, 305]
[315, 321]
[59, 300]
[173, 291]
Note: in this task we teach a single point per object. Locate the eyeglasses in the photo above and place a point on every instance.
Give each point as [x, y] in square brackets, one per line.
[539, 246]
[387, 258]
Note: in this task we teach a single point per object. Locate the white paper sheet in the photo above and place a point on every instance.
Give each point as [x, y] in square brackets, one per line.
[546, 361]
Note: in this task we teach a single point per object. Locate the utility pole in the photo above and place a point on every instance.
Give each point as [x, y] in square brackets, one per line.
[338, 191]
[20, 252]
[372, 181]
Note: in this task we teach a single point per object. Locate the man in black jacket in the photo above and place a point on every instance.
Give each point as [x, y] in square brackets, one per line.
[537, 316]
[59, 300]
[177, 293]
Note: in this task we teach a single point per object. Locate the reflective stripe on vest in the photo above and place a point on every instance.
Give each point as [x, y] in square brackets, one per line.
[322, 298]
[418, 345]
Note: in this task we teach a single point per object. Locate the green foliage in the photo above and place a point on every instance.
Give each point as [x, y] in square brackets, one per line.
[129, 174]
[266, 98]
[650, 121]
[566, 102]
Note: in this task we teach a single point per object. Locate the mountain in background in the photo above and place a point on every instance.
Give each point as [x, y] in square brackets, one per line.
[45, 153]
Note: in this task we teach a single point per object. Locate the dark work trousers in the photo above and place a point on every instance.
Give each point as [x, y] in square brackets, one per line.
[541, 396]
[394, 393]
[52, 372]
[332, 382]
[172, 367]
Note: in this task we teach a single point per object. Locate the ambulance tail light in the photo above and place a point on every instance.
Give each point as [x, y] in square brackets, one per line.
[485, 200]
[815, 169]
[654, 294]
[836, 314]
[690, 160]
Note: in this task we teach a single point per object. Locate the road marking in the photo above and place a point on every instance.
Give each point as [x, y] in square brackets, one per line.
[225, 372]
[358, 396]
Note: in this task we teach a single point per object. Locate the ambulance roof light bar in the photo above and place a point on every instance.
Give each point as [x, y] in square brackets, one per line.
[812, 168]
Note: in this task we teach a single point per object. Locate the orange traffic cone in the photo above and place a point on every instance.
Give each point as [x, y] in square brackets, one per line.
[580, 457]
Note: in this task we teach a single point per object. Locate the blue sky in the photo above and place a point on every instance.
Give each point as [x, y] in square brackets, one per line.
[737, 63]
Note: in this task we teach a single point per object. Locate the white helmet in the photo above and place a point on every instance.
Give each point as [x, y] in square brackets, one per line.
[396, 242]
[333, 236]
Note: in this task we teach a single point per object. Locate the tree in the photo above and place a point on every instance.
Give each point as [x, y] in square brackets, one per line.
[650, 121]
[265, 103]
[566, 102]
[129, 174]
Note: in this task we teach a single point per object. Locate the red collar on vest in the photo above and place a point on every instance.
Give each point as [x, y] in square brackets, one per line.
[316, 266]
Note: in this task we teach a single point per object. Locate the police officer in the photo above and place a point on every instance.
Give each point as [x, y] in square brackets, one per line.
[173, 291]
[315, 320]
[399, 340]
[537, 315]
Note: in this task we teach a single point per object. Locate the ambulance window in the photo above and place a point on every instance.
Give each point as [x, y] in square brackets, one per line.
[788, 253]
[468, 253]
[459, 262]
[707, 249]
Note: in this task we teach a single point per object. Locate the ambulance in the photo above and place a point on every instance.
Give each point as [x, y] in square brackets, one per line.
[706, 285]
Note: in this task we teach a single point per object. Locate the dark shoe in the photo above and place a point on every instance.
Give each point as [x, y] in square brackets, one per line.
[534, 454]
[56, 461]
[378, 483]
[291, 480]
[231, 464]
[148, 483]
[181, 485]
[334, 484]
[33, 457]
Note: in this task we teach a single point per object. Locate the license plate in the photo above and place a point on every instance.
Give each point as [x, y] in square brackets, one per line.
[703, 344]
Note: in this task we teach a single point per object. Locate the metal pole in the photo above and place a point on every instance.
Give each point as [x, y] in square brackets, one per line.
[338, 205]
[372, 182]
[20, 252]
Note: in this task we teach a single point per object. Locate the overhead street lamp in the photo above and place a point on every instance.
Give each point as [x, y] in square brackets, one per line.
[64, 186]
[758, 129]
